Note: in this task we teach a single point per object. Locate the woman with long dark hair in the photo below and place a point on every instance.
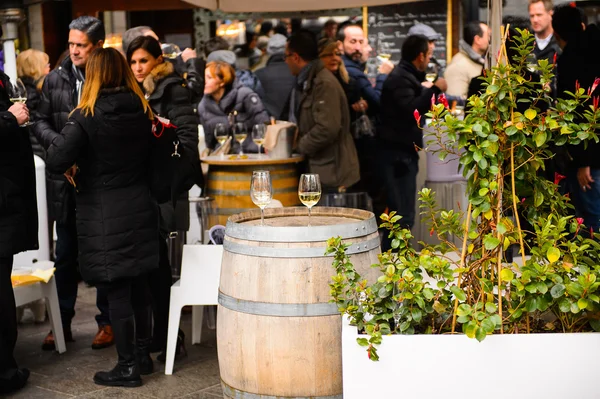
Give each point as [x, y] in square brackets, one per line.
[105, 150]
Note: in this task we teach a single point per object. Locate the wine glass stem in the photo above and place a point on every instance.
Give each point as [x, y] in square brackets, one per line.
[262, 216]
[241, 148]
[308, 216]
[259, 153]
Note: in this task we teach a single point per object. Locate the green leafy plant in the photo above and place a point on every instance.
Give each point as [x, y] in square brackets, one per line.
[504, 142]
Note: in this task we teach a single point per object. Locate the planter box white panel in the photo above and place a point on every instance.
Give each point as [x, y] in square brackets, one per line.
[527, 366]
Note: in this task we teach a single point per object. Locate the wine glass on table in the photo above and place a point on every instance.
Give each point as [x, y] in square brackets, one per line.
[240, 134]
[258, 136]
[309, 191]
[18, 94]
[221, 134]
[431, 73]
[261, 191]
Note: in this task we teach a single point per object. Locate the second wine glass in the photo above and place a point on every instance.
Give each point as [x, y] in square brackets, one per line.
[240, 134]
[309, 191]
[221, 134]
[261, 191]
[258, 136]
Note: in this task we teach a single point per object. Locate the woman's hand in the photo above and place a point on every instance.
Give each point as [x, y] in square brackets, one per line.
[360, 105]
[70, 174]
[20, 112]
[584, 177]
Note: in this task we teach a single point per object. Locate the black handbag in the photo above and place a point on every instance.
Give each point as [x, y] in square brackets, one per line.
[166, 158]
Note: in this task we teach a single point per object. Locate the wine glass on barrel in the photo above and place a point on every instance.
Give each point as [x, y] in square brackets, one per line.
[261, 191]
[309, 191]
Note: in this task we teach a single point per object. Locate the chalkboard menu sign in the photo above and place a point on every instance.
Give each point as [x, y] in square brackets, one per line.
[389, 25]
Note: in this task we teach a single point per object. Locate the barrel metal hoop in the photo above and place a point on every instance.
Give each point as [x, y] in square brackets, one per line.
[300, 234]
[314, 252]
[278, 309]
[234, 393]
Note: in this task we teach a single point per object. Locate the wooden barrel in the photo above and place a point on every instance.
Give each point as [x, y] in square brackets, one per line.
[229, 185]
[278, 336]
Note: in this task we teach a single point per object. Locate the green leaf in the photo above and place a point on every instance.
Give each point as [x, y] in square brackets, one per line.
[553, 254]
[530, 114]
[362, 341]
[463, 310]
[458, 293]
[566, 130]
[491, 307]
[506, 275]
[564, 305]
[511, 130]
[595, 325]
[492, 89]
[488, 325]
[582, 303]
[480, 334]
[483, 191]
[540, 138]
[490, 242]
[469, 329]
[416, 314]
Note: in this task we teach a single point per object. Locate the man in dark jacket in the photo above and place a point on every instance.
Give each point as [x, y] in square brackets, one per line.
[405, 92]
[276, 79]
[579, 64]
[18, 225]
[61, 93]
[540, 16]
[319, 104]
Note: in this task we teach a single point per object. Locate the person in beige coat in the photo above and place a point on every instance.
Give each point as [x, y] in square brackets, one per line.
[319, 105]
[468, 63]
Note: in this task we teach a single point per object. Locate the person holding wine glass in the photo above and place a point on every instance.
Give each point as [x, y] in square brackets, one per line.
[226, 101]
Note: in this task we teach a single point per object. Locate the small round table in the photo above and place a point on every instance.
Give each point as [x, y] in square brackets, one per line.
[228, 181]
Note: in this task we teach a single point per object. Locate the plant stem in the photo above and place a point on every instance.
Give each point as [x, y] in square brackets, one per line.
[499, 249]
[462, 261]
[514, 200]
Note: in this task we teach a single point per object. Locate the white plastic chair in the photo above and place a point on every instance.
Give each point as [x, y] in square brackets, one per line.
[33, 292]
[198, 286]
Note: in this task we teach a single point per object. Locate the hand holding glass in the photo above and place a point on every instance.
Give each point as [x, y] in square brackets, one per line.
[18, 94]
[309, 191]
[258, 135]
[261, 191]
[431, 73]
[221, 134]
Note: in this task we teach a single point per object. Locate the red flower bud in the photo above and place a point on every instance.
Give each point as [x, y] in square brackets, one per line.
[579, 221]
[558, 178]
[554, 59]
[577, 86]
[595, 102]
[431, 232]
[442, 99]
[523, 200]
[417, 116]
[596, 83]
[432, 100]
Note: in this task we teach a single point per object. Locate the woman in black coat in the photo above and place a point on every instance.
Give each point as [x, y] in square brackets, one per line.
[18, 225]
[109, 137]
[170, 99]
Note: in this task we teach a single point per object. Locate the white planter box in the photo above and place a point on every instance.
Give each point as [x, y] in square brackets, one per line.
[528, 366]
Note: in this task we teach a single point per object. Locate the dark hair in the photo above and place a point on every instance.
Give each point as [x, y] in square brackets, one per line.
[147, 43]
[413, 46]
[330, 22]
[265, 28]
[516, 22]
[214, 44]
[132, 33]
[566, 22]
[92, 27]
[304, 43]
[471, 30]
[282, 29]
[341, 33]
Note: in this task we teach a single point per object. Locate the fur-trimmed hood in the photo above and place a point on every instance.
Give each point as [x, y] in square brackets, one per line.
[160, 72]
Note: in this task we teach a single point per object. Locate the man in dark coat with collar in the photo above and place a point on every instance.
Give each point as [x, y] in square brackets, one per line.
[18, 225]
[404, 93]
[318, 103]
[61, 93]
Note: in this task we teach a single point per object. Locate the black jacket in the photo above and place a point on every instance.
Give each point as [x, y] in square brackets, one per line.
[169, 98]
[362, 84]
[18, 204]
[192, 72]
[33, 103]
[117, 218]
[250, 111]
[402, 94]
[580, 62]
[277, 82]
[56, 102]
[548, 52]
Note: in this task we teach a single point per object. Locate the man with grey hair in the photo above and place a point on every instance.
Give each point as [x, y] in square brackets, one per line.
[276, 79]
[61, 93]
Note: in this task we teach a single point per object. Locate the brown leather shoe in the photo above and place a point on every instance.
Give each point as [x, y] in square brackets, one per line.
[49, 345]
[104, 338]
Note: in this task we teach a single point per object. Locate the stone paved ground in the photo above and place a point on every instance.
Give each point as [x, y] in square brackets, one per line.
[69, 375]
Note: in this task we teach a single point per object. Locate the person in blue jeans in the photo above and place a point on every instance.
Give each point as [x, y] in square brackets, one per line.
[60, 95]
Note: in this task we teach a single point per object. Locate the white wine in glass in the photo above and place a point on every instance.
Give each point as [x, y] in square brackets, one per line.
[431, 73]
[221, 135]
[261, 191]
[240, 134]
[309, 191]
[18, 94]
[258, 136]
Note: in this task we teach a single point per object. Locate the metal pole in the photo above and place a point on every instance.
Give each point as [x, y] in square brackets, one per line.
[495, 12]
[10, 19]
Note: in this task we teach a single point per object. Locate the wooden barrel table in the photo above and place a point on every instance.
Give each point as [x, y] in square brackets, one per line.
[228, 182]
[278, 336]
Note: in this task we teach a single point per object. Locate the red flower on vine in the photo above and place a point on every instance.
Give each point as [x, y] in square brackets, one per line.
[442, 99]
[417, 116]
[558, 178]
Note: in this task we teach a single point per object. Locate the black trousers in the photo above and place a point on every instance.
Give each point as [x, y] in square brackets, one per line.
[8, 320]
[160, 280]
[127, 297]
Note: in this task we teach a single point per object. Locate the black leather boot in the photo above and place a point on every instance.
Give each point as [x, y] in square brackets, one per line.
[143, 340]
[127, 372]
